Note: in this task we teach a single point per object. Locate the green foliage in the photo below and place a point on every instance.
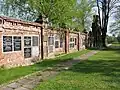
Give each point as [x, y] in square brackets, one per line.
[83, 16]
[115, 26]
[75, 14]
[118, 37]
[57, 11]
[111, 39]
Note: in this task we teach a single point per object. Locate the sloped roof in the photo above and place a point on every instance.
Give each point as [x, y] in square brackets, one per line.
[9, 19]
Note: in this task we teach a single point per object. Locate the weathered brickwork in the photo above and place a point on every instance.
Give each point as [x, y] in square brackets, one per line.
[23, 43]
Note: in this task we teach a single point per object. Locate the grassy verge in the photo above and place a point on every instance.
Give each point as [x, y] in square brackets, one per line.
[7, 75]
[118, 44]
[99, 72]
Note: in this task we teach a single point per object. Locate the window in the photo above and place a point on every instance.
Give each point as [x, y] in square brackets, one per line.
[35, 41]
[27, 47]
[27, 52]
[11, 43]
[72, 43]
[50, 49]
[57, 41]
[7, 43]
[61, 42]
[50, 43]
[56, 44]
[27, 41]
[50, 40]
[17, 43]
[71, 39]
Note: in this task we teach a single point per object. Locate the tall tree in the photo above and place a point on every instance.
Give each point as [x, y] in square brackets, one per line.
[105, 7]
[83, 17]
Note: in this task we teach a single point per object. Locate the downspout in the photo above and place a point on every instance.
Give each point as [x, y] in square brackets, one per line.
[79, 41]
[42, 51]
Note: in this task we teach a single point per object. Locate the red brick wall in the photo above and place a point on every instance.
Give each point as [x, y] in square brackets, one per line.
[20, 28]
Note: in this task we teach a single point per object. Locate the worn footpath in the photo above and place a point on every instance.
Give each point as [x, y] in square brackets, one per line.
[30, 82]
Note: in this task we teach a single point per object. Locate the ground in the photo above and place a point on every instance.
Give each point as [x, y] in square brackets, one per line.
[7, 75]
[99, 72]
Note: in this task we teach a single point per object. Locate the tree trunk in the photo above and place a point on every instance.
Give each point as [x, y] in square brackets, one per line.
[104, 37]
[103, 40]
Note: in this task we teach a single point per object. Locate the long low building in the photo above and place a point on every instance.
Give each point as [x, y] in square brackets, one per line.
[23, 43]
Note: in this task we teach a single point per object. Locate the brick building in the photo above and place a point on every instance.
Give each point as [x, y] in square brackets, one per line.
[23, 43]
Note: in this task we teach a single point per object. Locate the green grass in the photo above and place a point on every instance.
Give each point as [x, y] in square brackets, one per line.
[117, 44]
[7, 75]
[99, 72]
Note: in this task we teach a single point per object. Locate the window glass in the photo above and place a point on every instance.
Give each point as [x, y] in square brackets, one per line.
[50, 49]
[61, 42]
[50, 40]
[7, 43]
[34, 41]
[70, 39]
[56, 44]
[17, 43]
[72, 42]
[71, 45]
[27, 52]
[27, 41]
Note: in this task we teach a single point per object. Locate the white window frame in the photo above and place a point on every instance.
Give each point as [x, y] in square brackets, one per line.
[12, 43]
[53, 36]
[72, 42]
[58, 39]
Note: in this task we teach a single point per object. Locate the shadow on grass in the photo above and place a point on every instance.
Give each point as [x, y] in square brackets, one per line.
[108, 66]
[54, 61]
[105, 67]
[51, 62]
[110, 48]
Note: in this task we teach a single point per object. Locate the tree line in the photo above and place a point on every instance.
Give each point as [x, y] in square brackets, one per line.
[74, 14]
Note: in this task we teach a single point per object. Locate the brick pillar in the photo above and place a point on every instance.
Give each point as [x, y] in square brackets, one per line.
[78, 41]
[66, 41]
[42, 50]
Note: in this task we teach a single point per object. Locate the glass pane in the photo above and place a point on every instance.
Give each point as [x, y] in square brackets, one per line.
[7, 43]
[27, 52]
[17, 43]
[50, 49]
[27, 41]
[61, 43]
[35, 41]
[56, 44]
[50, 40]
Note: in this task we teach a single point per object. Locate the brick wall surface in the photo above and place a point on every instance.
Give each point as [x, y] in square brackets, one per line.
[13, 27]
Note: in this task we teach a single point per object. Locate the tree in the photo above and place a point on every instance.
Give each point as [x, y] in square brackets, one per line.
[118, 37]
[105, 7]
[83, 17]
[57, 11]
[115, 26]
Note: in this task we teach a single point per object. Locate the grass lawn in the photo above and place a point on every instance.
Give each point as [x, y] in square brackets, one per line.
[99, 72]
[118, 44]
[7, 75]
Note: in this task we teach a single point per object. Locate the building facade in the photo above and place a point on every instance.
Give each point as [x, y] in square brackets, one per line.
[23, 43]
